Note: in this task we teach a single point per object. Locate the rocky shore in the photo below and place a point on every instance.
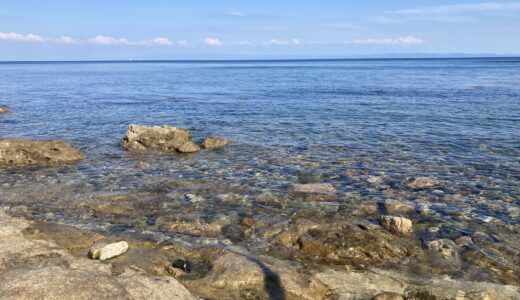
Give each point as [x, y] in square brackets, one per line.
[215, 239]
[42, 260]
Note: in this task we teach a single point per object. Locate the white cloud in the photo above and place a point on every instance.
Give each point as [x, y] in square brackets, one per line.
[212, 42]
[400, 41]
[11, 36]
[66, 40]
[236, 14]
[107, 40]
[276, 42]
[182, 43]
[161, 41]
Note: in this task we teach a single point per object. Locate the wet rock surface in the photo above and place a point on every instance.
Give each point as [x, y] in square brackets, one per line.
[141, 139]
[323, 188]
[4, 109]
[214, 142]
[15, 152]
[397, 224]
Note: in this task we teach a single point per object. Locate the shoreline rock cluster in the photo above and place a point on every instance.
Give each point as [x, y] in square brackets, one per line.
[168, 139]
[138, 139]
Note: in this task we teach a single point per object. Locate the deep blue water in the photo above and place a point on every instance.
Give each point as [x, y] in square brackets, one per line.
[341, 121]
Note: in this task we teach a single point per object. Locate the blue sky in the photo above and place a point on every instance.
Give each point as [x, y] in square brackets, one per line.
[160, 29]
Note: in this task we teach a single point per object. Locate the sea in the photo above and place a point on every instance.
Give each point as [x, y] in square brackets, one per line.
[368, 127]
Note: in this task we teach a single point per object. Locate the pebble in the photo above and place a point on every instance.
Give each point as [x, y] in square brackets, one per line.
[106, 251]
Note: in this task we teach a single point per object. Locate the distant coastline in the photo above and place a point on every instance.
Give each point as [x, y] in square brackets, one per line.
[301, 59]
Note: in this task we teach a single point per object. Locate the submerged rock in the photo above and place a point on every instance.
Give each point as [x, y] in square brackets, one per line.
[422, 183]
[140, 139]
[107, 251]
[4, 109]
[15, 152]
[318, 188]
[397, 224]
[214, 142]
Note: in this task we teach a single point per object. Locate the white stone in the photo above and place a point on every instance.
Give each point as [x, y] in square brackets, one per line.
[107, 251]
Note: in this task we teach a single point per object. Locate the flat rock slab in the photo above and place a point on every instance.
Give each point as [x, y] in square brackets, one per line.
[141, 139]
[368, 284]
[18, 152]
[318, 188]
[106, 251]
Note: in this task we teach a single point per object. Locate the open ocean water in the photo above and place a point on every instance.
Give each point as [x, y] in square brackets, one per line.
[368, 127]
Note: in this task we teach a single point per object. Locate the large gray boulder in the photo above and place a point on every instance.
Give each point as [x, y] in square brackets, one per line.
[141, 139]
[18, 152]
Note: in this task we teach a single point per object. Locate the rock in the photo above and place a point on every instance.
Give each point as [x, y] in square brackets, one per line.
[396, 224]
[320, 188]
[422, 183]
[37, 269]
[194, 198]
[15, 152]
[463, 240]
[106, 251]
[235, 233]
[195, 229]
[4, 109]
[214, 142]
[232, 273]
[140, 139]
[371, 283]
[175, 272]
[388, 296]
[188, 147]
[251, 222]
[375, 180]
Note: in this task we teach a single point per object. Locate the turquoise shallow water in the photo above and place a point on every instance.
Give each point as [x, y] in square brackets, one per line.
[344, 122]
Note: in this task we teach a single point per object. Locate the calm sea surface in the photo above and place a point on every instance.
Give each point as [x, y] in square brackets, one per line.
[367, 127]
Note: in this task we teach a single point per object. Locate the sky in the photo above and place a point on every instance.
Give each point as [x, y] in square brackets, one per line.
[243, 29]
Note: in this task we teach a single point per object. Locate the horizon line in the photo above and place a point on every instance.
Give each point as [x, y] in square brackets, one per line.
[383, 57]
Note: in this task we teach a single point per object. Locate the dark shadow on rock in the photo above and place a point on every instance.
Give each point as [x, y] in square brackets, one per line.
[272, 283]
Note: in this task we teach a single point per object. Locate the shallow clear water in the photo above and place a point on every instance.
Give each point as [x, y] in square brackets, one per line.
[339, 122]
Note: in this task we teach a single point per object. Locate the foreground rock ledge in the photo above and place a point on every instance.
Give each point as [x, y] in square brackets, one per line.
[36, 269]
[140, 139]
[18, 152]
